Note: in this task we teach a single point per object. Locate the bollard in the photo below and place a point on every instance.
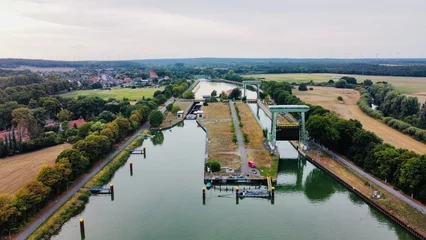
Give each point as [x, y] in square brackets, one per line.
[204, 192]
[111, 188]
[272, 201]
[144, 152]
[131, 169]
[236, 191]
[82, 233]
[273, 191]
[237, 201]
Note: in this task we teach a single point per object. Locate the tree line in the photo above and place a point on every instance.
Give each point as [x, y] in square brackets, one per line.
[403, 168]
[395, 109]
[93, 140]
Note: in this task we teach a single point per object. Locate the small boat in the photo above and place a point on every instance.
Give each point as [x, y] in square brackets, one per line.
[208, 185]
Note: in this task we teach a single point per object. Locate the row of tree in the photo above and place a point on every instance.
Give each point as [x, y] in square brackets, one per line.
[96, 140]
[405, 169]
[394, 104]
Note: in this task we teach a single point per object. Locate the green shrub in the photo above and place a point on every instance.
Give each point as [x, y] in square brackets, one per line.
[246, 138]
[213, 165]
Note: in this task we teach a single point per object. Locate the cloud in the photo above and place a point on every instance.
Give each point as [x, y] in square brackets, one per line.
[127, 29]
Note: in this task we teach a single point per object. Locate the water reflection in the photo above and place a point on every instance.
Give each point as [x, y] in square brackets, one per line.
[158, 138]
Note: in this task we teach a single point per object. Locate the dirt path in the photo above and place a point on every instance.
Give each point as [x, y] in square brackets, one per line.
[327, 98]
[17, 170]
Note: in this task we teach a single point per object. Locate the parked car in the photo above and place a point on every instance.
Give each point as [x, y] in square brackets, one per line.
[252, 164]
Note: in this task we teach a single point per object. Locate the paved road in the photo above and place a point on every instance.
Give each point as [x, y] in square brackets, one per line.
[390, 189]
[244, 161]
[71, 192]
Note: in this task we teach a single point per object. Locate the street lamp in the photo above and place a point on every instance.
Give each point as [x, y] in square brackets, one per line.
[11, 230]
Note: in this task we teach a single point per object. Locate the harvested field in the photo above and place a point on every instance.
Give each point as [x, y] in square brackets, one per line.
[327, 98]
[250, 127]
[17, 170]
[218, 121]
[406, 85]
[220, 136]
[217, 111]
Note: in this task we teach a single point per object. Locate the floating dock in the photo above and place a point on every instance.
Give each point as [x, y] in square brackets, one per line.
[100, 190]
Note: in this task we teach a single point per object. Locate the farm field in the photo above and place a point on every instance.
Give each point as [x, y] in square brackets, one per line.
[17, 170]
[406, 85]
[327, 98]
[117, 93]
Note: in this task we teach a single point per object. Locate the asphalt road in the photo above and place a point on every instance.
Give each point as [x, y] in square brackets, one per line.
[71, 192]
[244, 161]
[390, 189]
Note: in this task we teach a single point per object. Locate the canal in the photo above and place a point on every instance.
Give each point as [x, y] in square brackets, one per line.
[163, 200]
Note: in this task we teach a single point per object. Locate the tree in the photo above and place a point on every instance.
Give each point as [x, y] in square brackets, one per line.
[23, 118]
[64, 115]
[368, 82]
[97, 85]
[52, 106]
[321, 128]
[341, 84]
[93, 147]
[223, 96]
[330, 81]
[169, 107]
[175, 109]
[31, 196]
[8, 211]
[214, 93]
[303, 87]
[189, 95]
[156, 118]
[349, 80]
[340, 98]
[387, 161]
[213, 165]
[50, 176]
[106, 116]
[123, 126]
[235, 94]
[413, 177]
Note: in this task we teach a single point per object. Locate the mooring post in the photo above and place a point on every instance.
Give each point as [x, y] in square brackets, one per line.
[273, 192]
[237, 201]
[111, 188]
[236, 191]
[204, 196]
[82, 233]
[144, 152]
[131, 169]
[272, 201]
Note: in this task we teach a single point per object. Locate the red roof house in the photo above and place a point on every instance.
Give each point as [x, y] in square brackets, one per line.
[25, 136]
[166, 78]
[127, 80]
[152, 74]
[77, 122]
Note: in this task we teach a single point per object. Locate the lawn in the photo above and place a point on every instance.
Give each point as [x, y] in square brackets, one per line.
[406, 85]
[17, 170]
[117, 93]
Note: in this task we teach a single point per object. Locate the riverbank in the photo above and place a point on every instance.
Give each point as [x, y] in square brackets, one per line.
[170, 119]
[76, 204]
[399, 211]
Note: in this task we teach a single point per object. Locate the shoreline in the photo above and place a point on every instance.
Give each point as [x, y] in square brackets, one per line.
[359, 193]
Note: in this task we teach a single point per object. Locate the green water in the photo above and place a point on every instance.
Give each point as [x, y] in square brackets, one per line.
[163, 200]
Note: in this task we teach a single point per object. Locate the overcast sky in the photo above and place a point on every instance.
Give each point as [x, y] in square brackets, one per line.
[138, 29]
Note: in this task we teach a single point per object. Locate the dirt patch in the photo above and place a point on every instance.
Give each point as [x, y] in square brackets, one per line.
[220, 136]
[217, 110]
[227, 160]
[348, 109]
[17, 170]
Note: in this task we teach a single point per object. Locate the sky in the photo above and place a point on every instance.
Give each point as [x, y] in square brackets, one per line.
[139, 29]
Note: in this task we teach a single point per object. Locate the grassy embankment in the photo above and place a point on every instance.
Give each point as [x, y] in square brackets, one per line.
[392, 204]
[267, 164]
[170, 119]
[406, 85]
[77, 202]
[218, 122]
[117, 93]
